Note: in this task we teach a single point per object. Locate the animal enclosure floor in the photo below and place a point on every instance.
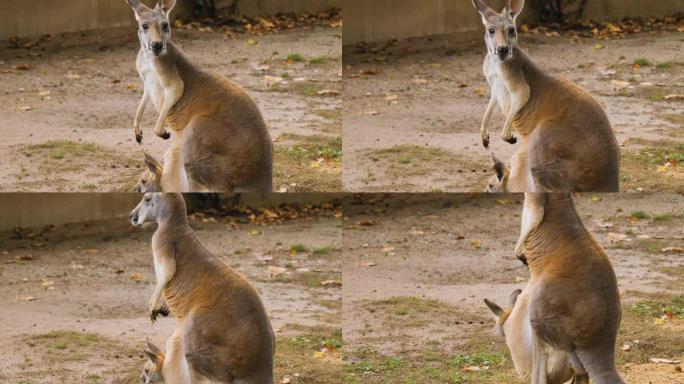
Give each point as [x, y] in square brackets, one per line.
[413, 109]
[74, 302]
[68, 105]
[417, 269]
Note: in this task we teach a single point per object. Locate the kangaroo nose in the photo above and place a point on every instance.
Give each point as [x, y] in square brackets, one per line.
[157, 46]
[502, 51]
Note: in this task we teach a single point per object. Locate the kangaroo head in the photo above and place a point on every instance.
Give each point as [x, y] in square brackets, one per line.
[154, 29]
[502, 314]
[498, 182]
[159, 207]
[501, 35]
[150, 180]
[152, 370]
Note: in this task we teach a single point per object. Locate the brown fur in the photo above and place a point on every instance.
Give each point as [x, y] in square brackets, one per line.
[574, 303]
[566, 141]
[225, 334]
[226, 146]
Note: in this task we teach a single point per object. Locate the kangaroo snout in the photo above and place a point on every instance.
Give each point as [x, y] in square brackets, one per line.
[157, 47]
[502, 51]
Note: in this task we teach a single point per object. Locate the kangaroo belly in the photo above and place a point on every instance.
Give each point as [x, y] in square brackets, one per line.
[151, 82]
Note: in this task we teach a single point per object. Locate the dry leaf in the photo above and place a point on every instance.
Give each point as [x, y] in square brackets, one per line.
[24, 108]
[328, 92]
[615, 237]
[137, 276]
[663, 361]
[326, 283]
[672, 250]
[276, 271]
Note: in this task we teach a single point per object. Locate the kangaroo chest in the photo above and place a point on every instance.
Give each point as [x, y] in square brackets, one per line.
[497, 84]
[151, 82]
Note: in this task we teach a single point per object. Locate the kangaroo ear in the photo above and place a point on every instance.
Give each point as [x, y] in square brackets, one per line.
[502, 171]
[154, 166]
[514, 297]
[494, 308]
[137, 6]
[484, 10]
[166, 5]
[514, 8]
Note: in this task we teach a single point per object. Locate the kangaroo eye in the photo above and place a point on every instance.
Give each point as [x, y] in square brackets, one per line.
[511, 31]
[165, 27]
[146, 26]
[143, 181]
[492, 31]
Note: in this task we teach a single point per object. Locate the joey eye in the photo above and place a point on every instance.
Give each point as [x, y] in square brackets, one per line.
[492, 31]
[146, 26]
[144, 181]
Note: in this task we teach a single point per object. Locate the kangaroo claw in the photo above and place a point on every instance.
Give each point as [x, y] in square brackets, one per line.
[165, 135]
[138, 138]
[511, 140]
[485, 142]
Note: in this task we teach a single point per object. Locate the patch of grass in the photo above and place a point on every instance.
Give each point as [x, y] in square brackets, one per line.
[639, 215]
[638, 323]
[674, 118]
[641, 168]
[642, 62]
[67, 339]
[311, 278]
[299, 248]
[658, 307]
[410, 159]
[295, 57]
[298, 354]
[309, 88]
[431, 366]
[322, 250]
[318, 60]
[661, 217]
[313, 164]
[330, 114]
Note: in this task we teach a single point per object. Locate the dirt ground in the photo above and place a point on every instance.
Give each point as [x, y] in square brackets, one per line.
[74, 302]
[413, 108]
[417, 269]
[68, 105]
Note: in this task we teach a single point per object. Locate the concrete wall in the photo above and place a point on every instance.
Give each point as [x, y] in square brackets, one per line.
[26, 18]
[380, 20]
[34, 210]
[29, 210]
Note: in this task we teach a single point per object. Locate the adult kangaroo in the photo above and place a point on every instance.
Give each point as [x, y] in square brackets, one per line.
[225, 145]
[572, 298]
[223, 333]
[567, 143]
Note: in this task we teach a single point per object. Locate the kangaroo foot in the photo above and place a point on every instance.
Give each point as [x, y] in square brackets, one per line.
[138, 138]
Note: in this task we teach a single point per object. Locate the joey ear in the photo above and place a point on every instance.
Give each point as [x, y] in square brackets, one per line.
[166, 5]
[152, 356]
[484, 10]
[514, 297]
[494, 308]
[500, 168]
[153, 165]
[514, 8]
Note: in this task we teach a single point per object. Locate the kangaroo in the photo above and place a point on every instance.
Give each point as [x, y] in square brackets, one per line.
[225, 144]
[567, 142]
[223, 333]
[572, 297]
[160, 178]
[514, 324]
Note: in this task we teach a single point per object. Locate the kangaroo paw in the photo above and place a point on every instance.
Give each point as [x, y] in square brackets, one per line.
[164, 311]
[138, 138]
[485, 141]
[164, 135]
[511, 140]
